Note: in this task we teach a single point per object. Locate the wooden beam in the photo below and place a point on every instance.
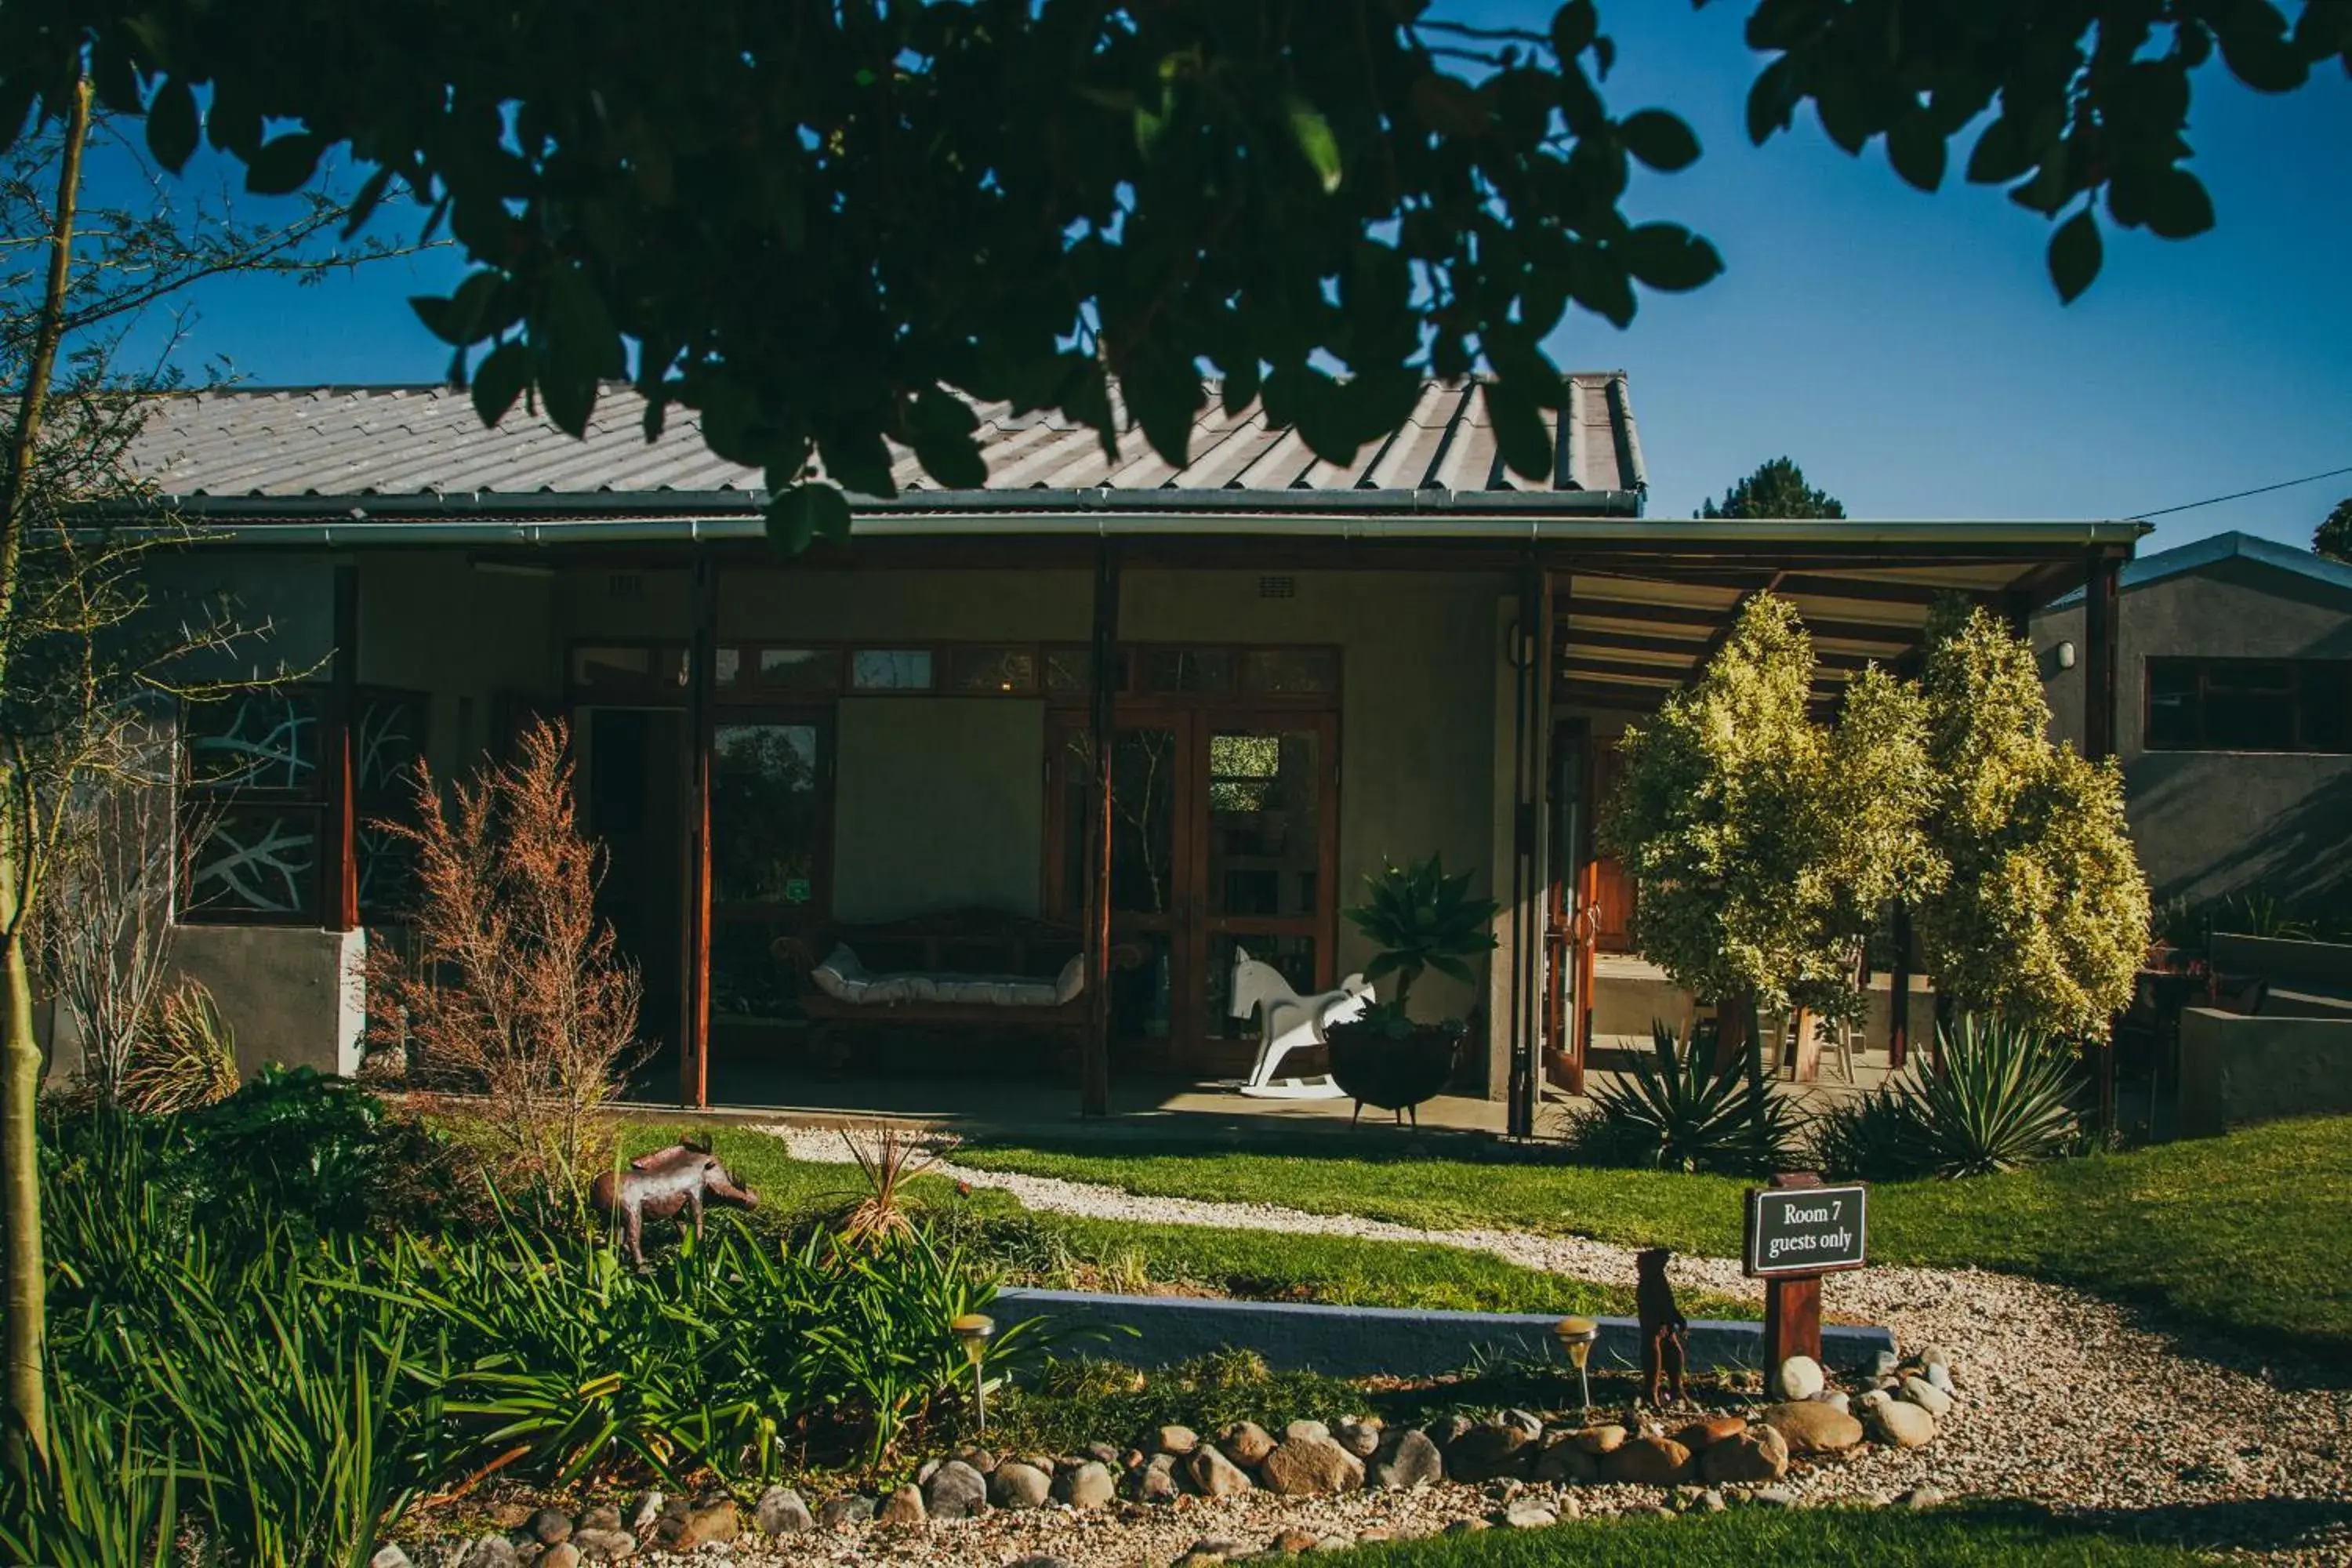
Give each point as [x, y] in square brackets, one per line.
[1670, 675]
[1898, 636]
[1094, 1063]
[1898, 978]
[702, 686]
[339, 837]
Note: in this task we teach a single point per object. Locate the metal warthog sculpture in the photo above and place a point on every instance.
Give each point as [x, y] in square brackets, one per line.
[660, 1186]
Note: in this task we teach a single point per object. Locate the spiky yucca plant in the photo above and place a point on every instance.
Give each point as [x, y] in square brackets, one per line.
[1678, 1111]
[188, 1060]
[2002, 1098]
[887, 1161]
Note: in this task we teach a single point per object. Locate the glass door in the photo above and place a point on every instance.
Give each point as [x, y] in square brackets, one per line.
[1264, 810]
[769, 854]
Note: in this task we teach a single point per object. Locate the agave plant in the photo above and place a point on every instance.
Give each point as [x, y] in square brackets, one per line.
[887, 1161]
[1420, 918]
[1678, 1110]
[188, 1059]
[2002, 1097]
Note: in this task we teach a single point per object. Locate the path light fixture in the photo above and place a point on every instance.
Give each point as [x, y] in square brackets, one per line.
[1576, 1336]
[973, 1331]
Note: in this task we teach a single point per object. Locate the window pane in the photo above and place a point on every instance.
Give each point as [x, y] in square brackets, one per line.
[890, 669]
[800, 668]
[2249, 706]
[2325, 687]
[1290, 671]
[258, 860]
[386, 741]
[764, 817]
[385, 866]
[728, 668]
[1067, 671]
[995, 670]
[1188, 669]
[263, 739]
[2172, 719]
[1264, 823]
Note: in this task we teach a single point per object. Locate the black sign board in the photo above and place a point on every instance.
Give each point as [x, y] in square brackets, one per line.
[1806, 1230]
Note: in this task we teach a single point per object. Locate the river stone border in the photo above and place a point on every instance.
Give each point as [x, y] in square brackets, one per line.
[1367, 1342]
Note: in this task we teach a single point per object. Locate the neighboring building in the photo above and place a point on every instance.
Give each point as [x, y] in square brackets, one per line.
[1316, 666]
[2235, 688]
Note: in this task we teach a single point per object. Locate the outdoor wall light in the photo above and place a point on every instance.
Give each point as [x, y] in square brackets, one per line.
[2065, 656]
[973, 1331]
[1576, 1337]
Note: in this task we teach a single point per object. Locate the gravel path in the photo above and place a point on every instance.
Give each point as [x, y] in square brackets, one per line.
[2065, 1400]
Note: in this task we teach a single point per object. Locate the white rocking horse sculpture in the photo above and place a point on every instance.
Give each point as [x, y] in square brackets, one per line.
[1289, 1022]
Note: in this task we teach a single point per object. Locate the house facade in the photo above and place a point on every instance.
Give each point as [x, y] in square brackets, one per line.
[1306, 668]
[2234, 664]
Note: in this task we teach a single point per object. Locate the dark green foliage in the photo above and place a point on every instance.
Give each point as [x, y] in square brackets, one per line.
[1420, 918]
[319, 1151]
[1776, 490]
[2002, 1098]
[2333, 537]
[104, 1499]
[1680, 1111]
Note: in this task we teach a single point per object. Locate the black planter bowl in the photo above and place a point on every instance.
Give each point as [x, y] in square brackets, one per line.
[1394, 1072]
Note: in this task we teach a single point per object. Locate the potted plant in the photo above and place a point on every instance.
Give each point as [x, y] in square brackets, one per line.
[1421, 920]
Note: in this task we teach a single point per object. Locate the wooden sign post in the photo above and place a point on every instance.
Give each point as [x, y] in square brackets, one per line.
[1798, 1230]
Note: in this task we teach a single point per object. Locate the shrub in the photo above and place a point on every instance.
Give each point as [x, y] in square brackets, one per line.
[2002, 1097]
[187, 1060]
[513, 987]
[1681, 1111]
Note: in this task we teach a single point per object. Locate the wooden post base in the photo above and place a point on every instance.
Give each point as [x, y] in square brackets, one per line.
[1793, 1324]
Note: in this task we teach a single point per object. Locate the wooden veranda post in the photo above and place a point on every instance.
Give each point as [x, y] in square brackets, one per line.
[693, 1041]
[1527, 655]
[340, 842]
[1094, 1062]
[1898, 991]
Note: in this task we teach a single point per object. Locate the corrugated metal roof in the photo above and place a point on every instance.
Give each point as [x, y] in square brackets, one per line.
[336, 443]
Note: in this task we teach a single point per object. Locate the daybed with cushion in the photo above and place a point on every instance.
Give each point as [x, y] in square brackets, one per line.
[958, 971]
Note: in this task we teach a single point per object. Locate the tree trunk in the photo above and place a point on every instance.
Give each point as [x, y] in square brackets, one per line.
[25, 1324]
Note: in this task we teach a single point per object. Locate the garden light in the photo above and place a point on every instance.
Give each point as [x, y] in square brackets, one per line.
[974, 1331]
[1576, 1337]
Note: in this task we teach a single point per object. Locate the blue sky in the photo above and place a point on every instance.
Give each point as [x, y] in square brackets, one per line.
[1905, 348]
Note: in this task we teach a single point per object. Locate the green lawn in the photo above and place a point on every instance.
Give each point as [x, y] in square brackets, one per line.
[1056, 1250]
[2250, 1232]
[1844, 1538]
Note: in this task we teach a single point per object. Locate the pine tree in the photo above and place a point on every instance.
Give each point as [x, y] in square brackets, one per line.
[1777, 488]
[2333, 538]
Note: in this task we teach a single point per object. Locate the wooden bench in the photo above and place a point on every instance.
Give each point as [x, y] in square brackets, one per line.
[963, 946]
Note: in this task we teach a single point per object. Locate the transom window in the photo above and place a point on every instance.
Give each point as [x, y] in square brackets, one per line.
[660, 674]
[2249, 705]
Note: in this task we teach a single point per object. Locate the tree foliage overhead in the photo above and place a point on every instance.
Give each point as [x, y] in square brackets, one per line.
[1764, 842]
[2042, 910]
[1777, 488]
[812, 222]
[2333, 537]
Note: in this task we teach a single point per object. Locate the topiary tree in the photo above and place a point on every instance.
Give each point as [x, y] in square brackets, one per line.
[2038, 909]
[1777, 488]
[1763, 842]
[2333, 537]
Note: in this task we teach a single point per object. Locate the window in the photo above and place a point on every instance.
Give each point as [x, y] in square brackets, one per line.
[256, 783]
[890, 669]
[2249, 705]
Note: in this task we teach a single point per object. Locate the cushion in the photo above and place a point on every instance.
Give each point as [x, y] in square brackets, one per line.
[844, 979]
[1072, 980]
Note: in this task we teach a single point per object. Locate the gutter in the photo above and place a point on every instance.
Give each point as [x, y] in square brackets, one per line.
[1017, 516]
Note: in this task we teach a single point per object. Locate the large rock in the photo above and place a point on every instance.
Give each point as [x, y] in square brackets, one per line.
[645, 1511]
[1177, 1440]
[1528, 1513]
[1564, 1459]
[850, 1507]
[563, 1555]
[1086, 1485]
[903, 1508]
[1213, 1475]
[389, 1555]
[1157, 1480]
[1361, 1438]
[1600, 1439]
[595, 1545]
[549, 1525]
[1018, 1485]
[1408, 1461]
[955, 1491]
[780, 1512]
[1905, 1426]
[489, 1552]
[1306, 1428]
[603, 1516]
[1927, 1396]
[1246, 1442]
[1492, 1449]
[1801, 1377]
[1700, 1435]
[704, 1524]
[1811, 1427]
[1755, 1457]
[1648, 1461]
[1300, 1467]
